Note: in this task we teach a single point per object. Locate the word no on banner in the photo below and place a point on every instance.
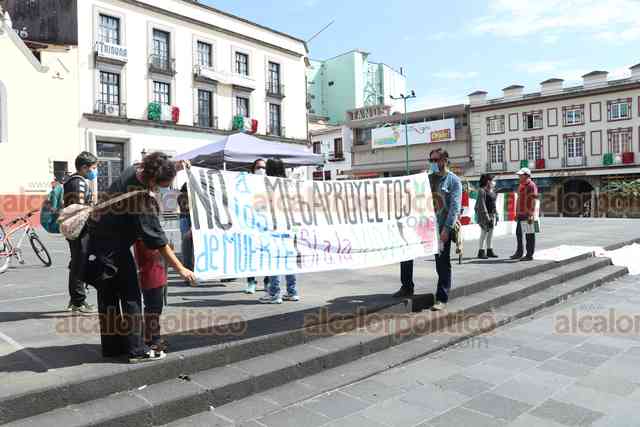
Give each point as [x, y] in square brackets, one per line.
[248, 225]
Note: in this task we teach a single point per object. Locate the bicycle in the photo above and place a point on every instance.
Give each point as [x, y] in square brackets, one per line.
[9, 250]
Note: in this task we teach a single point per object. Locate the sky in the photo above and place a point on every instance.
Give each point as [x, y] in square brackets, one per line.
[449, 49]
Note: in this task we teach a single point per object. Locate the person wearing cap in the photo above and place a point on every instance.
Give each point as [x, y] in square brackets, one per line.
[446, 189]
[525, 209]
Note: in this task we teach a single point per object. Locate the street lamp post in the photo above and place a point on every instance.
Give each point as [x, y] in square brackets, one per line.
[406, 126]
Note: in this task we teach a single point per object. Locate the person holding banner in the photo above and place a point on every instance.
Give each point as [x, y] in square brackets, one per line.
[525, 212]
[275, 167]
[446, 190]
[112, 233]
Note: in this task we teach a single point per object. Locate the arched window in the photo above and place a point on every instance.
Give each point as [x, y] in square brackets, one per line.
[4, 114]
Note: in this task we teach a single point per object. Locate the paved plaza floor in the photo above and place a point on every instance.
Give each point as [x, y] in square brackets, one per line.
[41, 344]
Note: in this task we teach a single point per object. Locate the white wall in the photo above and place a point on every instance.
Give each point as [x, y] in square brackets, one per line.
[137, 23]
[394, 84]
[42, 124]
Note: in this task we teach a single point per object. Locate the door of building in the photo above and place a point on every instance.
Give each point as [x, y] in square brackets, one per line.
[110, 163]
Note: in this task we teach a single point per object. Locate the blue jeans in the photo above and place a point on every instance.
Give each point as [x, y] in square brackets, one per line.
[443, 268]
[274, 285]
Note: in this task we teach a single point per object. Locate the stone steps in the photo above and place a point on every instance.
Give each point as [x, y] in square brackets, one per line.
[196, 384]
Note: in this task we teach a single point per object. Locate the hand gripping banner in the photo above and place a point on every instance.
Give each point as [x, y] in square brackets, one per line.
[250, 225]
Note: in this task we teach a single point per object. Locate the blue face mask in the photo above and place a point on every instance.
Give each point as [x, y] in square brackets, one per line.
[92, 174]
[435, 168]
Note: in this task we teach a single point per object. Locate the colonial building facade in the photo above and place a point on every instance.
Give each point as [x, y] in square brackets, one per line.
[171, 75]
[576, 140]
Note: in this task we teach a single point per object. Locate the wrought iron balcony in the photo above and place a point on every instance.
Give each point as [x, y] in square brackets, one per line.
[162, 64]
[276, 131]
[496, 167]
[108, 109]
[275, 90]
[205, 121]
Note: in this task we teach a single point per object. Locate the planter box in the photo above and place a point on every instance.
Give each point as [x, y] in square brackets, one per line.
[540, 164]
[628, 157]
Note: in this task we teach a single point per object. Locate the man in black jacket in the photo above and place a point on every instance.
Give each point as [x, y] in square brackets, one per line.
[77, 190]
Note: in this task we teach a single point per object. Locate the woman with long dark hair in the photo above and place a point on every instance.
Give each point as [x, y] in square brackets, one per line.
[113, 231]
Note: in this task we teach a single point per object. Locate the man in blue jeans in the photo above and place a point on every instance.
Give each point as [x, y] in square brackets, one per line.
[446, 190]
[274, 296]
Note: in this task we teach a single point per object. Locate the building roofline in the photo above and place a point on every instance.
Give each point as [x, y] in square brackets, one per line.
[595, 73]
[552, 80]
[194, 21]
[246, 21]
[513, 87]
[342, 54]
[20, 44]
[634, 66]
[411, 115]
[575, 92]
[478, 92]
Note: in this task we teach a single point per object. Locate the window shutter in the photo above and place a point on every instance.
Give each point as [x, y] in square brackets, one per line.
[609, 112]
[488, 125]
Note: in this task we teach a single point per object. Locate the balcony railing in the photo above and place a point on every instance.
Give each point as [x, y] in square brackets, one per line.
[496, 167]
[574, 162]
[205, 121]
[115, 110]
[275, 90]
[276, 131]
[162, 64]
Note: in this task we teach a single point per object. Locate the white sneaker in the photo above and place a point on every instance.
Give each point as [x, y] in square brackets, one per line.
[268, 299]
[438, 306]
[288, 297]
[251, 288]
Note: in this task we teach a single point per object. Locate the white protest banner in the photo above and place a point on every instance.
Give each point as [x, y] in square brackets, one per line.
[250, 225]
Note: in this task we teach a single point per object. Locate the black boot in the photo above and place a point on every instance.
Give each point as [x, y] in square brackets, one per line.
[482, 255]
[516, 256]
[404, 292]
[491, 254]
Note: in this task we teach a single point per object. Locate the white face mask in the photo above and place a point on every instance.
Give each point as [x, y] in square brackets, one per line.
[260, 171]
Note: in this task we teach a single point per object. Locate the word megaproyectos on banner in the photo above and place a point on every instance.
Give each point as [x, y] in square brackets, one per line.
[249, 225]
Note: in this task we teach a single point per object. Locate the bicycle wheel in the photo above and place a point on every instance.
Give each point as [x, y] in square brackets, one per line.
[40, 250]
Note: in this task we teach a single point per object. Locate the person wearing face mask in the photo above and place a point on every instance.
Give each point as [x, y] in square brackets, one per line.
[77, 190]
[113, 231]
[446, 190]
[486, 213]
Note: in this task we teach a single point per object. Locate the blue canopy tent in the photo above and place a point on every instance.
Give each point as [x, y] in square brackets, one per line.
[240, 149]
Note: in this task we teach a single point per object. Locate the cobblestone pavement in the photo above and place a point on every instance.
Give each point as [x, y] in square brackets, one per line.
[575, 364]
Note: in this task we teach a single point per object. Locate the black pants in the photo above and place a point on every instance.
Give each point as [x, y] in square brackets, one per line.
[443, 268]
[530, 239]
[153, 302]
[119, 305]
[406, 274]
[78, 249]
[187, 251]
